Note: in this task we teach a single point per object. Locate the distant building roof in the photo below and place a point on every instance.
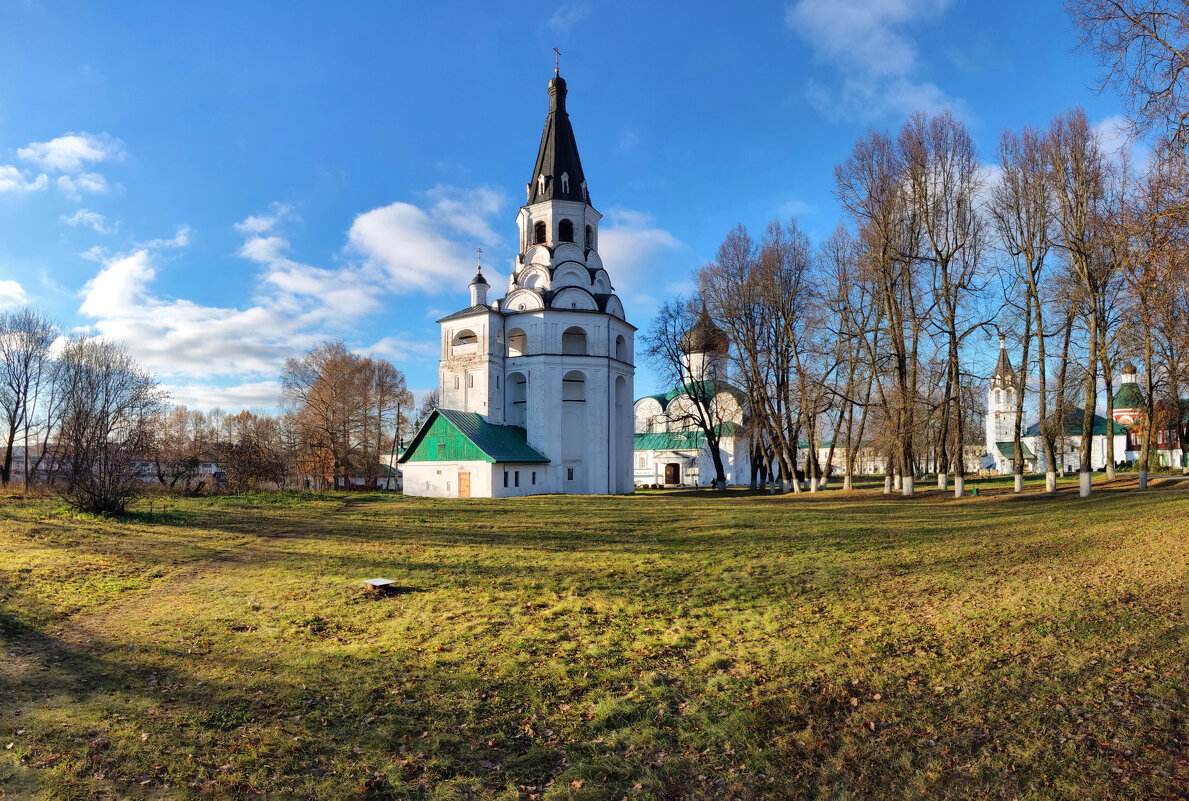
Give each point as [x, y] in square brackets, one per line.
[1008, 450]
[1072, 425]
[1129, 396]
[702, 388]
[681, 440]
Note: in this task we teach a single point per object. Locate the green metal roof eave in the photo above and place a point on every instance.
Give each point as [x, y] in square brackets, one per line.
[479, 433]
[1008, 449]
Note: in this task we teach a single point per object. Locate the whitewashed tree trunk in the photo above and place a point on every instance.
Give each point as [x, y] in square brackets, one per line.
[959, 486]
[1050, 481]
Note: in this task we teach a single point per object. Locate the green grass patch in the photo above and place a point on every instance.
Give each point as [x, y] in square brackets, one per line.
[668, 645]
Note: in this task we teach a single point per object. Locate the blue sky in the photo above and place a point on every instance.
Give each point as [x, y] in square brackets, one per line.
[225, 184]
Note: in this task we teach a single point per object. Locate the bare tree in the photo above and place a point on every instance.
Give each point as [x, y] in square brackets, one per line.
[1022, 208]
[25, 338]
[1077, 170]
[942, 171]
[1143, 47]
[678, 346]
[870, 185]
[108, 402]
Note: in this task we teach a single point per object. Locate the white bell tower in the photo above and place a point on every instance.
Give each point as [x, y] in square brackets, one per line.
[1001, 406]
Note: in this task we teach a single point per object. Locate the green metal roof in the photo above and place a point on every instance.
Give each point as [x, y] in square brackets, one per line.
[451, 435]
[1072, 425]
[670, 441]
[682, 440]
[1008, 449]
[1129, 396]
[700, 388]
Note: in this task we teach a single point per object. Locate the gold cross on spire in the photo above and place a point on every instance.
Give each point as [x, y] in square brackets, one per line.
[478, 260]
[556, 61]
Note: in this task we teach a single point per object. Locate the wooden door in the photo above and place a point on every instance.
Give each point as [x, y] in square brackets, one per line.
[672, 473]
[464, 485]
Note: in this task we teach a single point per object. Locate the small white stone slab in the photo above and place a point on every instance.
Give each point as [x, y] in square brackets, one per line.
[377, 583]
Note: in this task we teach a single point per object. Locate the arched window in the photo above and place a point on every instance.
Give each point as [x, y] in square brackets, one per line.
[465, 337]
[565, 231]
[539, 233]
[573, 386]
[998, 396]
[565, 183]
[621, 348]
[589, 237]
[541, 184]
[573, 342]
[517, 343]
[516, 399]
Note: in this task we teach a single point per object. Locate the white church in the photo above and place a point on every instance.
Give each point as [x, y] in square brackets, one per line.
[536, 387]
[1124, 428]
[671, 449]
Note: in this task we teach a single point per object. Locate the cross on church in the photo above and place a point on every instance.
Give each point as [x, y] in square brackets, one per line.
[479, 259]
[556, 60]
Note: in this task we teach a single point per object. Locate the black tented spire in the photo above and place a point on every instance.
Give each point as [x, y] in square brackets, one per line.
[557, 158]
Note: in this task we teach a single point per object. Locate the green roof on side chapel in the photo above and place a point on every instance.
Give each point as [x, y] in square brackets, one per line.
[707, 389]
[1129, 396]
[449, 435]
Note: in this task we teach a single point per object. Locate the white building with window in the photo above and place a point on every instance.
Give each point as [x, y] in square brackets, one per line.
[536, 387]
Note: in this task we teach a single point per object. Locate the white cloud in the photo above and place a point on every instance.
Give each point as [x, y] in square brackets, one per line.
[264, 223]
[91, 219]
[427, 250]
[795, 208]
[567, 16]
[90, 182]
[179, 240]
[70, 152]
[13, 180]
[1118, 142]
[399, 349]
[633, 247]
[232, 399]
[118, 288]
[868, 42]
[11, 294]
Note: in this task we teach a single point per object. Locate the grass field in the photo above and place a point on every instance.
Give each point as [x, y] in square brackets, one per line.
[667, 645]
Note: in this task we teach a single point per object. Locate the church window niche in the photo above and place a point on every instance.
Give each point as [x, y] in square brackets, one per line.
[516, 394]
[539, 233]
[565, 231]
[517, 343]
[573, 387]
[998, 396]
[565, 183]
[590, 237]
[541, 184]
[573, 342]
[621, 348]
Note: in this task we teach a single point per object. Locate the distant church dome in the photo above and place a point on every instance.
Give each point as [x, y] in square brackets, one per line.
[1129, 369]
[705, 337]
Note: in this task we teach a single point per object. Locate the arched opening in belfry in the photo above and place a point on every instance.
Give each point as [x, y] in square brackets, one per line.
[516, 399]
[539, 233]
[517, 343]
[589, 237]
[573, 342]
[565, 231]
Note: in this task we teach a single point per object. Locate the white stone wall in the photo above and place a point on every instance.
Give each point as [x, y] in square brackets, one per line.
[440, 479]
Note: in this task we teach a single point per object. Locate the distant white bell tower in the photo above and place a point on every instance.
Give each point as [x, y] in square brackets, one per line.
[1001, 406]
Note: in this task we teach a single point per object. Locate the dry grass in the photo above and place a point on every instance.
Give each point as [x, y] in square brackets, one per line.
[657, 646]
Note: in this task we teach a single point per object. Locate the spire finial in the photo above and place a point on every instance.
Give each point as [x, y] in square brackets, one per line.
[556, 61]
[479, 261]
